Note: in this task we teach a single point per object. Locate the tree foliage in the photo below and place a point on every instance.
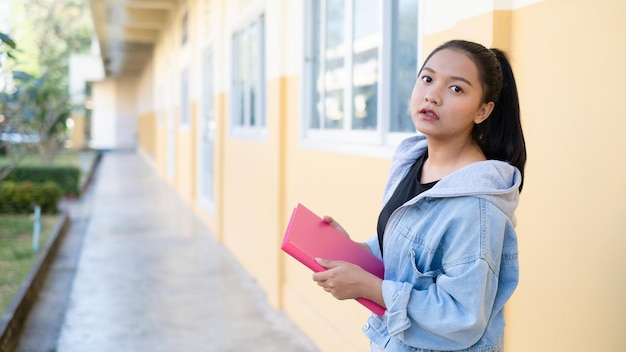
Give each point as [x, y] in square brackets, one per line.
[41, 109]
[7, 45]
[48, 32]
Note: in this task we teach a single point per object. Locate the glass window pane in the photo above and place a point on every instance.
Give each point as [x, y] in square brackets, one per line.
[207, 128]
[260, 77]
[184, 99]
[253, 57]
[365, 64]
[334, 71]
[248, 75]
[243, 75]
[405, 69]
[317, 109]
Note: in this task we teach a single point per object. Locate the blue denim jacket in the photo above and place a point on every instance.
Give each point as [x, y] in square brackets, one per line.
[450, 259]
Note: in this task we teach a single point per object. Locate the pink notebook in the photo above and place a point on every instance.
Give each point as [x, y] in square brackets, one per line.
[308, 236]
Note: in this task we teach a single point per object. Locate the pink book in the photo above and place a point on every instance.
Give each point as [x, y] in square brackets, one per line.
[308, 237]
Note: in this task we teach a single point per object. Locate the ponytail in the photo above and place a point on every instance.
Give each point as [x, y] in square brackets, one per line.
[500, 136]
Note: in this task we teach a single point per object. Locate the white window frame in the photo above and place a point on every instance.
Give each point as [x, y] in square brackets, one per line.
[258, 131]
[379, 142]
[185, 100]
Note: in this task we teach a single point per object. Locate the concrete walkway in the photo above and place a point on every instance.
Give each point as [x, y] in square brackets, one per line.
[149, 277]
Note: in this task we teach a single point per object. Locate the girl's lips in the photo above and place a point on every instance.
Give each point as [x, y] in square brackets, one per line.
[429, 115]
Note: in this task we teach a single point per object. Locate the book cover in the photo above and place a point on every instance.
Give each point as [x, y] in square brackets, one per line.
[308, 237]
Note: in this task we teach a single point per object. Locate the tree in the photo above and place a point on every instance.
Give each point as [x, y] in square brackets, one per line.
[48, 31]
[8, 127]
[42, 108]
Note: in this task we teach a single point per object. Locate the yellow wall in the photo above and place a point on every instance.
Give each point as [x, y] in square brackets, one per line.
[569, 61]
[77, 133]
[186, 147]
[147, 137]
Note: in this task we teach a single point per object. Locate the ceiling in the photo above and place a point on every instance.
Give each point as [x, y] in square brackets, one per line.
[127, 31]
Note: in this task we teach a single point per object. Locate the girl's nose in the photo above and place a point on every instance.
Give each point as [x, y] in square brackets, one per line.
[432, 98]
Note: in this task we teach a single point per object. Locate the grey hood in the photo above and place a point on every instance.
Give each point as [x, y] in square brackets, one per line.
[495, 181]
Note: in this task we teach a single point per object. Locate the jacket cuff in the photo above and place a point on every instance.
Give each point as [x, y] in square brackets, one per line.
[396, 296]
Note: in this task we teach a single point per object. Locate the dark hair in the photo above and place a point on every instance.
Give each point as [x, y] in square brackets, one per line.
[500, 136]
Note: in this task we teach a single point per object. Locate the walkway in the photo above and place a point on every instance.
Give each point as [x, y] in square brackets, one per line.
[149, 277]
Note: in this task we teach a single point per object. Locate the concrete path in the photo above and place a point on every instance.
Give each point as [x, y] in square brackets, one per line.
[150, 277]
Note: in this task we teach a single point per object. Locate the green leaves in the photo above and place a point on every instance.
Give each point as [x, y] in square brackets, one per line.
[7, 40]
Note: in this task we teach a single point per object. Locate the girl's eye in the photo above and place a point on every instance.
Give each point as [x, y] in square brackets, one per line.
[427, 79]
[456, 89]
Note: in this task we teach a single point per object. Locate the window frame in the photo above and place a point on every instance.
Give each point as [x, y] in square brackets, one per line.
[379, 142]
[247, 130]
[185, 100]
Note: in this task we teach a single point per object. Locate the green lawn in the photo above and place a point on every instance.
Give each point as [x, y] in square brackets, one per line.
[16, 251]
[16, 231]
[66, 157]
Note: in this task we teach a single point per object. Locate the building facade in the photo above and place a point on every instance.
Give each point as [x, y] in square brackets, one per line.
[248, 107]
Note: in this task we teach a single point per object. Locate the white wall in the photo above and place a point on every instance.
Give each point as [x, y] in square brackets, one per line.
[102, 118]
[83, 68]
[114, 118]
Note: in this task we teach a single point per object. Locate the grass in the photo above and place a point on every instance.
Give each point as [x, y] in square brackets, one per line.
[16, 251]
[66, 157]
[16, 231]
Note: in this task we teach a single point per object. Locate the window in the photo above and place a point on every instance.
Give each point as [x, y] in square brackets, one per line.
[361, 60]
[404, 63]
[248, 83]
[184, 99]
[184, 28]
[206, 135]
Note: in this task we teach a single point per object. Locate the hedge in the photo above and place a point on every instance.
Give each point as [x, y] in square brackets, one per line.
[21, 197]
[67, 177]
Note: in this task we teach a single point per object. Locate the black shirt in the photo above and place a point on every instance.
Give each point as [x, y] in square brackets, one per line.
[407, 189]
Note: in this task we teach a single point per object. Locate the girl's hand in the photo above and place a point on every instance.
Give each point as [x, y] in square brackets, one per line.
[346, 281]
[329, 220]
[332, 222]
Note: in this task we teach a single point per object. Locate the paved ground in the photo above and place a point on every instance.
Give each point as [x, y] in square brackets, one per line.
[139, 272]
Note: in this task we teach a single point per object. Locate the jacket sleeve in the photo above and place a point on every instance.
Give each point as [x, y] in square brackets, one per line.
[372, 243]
[450, 308]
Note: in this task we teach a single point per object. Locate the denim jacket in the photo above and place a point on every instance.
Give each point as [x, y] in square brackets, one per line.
[450, 258]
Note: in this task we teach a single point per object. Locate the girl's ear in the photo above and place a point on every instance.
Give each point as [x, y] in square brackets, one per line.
[483, 112]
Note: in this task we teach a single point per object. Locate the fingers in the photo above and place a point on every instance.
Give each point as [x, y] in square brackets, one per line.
[324, 275]
[332, 222]
[328, 264]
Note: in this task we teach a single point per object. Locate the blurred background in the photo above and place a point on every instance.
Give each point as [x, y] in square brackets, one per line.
[247, 107]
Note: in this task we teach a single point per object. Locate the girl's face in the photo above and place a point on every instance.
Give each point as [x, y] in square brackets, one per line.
[447, 97]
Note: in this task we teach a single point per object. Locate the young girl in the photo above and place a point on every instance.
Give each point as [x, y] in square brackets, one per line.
[446, 231]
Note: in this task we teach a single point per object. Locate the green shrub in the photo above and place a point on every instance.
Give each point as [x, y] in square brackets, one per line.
[67, 177]
[21, 197]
